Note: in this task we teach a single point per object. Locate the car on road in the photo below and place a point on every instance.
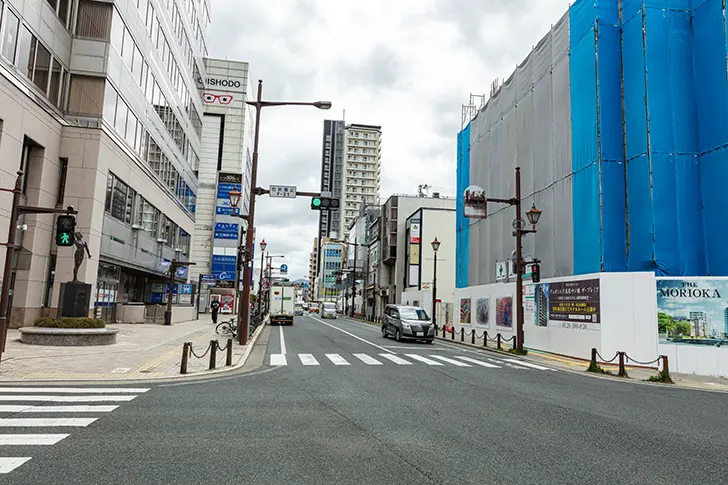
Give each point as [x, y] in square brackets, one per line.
[407, 322]
[298, 311]
[328, 310]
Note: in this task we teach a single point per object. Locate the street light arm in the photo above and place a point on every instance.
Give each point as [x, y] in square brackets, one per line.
[267, 104]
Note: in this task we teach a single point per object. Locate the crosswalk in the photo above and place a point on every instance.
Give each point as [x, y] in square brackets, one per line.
[434, 360]
[23, 420]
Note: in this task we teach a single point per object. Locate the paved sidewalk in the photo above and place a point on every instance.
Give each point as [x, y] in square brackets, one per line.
[141, 351]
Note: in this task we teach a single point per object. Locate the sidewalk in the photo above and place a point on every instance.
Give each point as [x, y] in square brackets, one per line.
[141, 351]
[577, 365]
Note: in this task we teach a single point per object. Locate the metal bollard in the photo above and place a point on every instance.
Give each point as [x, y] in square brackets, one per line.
[444, 331]
[452, 334]
[593, 363]
[213, 353]
[622, 371]
[229, 357]
[185, 357]
[665, 367]
[499, 341]
[485, 338]
[472, 340]
[462, 334]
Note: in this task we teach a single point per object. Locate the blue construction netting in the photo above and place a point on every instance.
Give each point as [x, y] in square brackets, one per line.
[462, 243]
[597, 140]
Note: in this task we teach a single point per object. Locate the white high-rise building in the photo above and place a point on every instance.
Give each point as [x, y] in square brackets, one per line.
[362, 172]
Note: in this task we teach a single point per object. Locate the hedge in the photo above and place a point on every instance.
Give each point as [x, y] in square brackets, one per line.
[70, 322]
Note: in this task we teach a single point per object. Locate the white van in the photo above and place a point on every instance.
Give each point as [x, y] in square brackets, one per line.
[328, 310]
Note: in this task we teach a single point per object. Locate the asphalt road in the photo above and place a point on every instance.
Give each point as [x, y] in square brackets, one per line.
[353, 416]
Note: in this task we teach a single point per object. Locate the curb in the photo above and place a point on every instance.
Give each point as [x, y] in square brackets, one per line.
[199, 375]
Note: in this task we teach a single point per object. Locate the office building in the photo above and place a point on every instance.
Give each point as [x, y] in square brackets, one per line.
[101, 110]
[332, 168]
[225, 164]
[362, 172]
[313, 270]
[331, 260]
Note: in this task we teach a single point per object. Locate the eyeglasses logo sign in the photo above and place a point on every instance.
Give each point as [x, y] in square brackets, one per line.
[223, 99]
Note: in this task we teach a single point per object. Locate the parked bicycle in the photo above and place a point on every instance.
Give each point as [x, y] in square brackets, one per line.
[227, 329]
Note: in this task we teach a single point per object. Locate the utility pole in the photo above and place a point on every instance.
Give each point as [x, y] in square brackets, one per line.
[353, 285]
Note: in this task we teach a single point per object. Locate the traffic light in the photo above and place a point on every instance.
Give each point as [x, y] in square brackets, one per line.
[324, 203]
[535, 273]
[65, 229]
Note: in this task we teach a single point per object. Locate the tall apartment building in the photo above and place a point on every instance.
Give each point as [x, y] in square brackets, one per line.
[225, 164]
[350, 171]
[313, 270]
[103, 112]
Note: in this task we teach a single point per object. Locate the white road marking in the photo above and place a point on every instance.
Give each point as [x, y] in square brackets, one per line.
[403, 347]
[45, 422]
[278, 359]
[70, 409]
[308, 359]
[74, 390]
[424, 359]
[9, 464]
[42, 398]
[527, 364]
[283, 341]
[515, 366]
[367, 359]
[395, 359]
[450, 361]
[478, 362]
[337, 359]
[355, 336]
[31, 439]
[13, 409]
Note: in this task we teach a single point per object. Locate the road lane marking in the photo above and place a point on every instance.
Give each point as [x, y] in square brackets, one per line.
[478, 362]
[31, 439]
[278, 359]
[403, 347]
[308, 359]
[75, 390]
[367, 359]
[70, 409]
[14, 409]
[337, 359]
[9, 464]
[424, 359]
[283, 342]
[395, 359]
[450, 361]
[355, 336]
[45, 422]
[527, 364]
[42, 398]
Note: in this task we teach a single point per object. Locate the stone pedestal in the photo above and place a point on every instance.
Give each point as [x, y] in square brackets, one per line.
[74, 300]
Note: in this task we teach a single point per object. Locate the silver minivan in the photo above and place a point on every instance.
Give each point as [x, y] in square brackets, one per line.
[328, 310]
[407, 322]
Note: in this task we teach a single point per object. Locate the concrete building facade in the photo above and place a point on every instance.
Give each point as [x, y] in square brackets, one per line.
[103, 113]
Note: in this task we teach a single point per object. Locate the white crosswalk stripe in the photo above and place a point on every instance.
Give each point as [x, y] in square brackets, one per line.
[424, 359]
[337, 359]
[367, 359]
[395, 359]
[478, 362]
[528, 364]
[450, 361]
[278, 359]
[18, 402]
[308, 359]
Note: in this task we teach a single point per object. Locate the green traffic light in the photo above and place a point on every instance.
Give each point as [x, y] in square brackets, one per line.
[65, 238]
[316, 202]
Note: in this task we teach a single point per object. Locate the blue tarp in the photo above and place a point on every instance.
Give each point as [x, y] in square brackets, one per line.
[462, 224]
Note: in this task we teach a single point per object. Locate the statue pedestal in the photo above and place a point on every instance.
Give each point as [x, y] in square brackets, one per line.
[74, 299]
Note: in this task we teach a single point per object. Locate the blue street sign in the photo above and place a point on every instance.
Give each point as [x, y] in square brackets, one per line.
[182, 272]
[284, 268]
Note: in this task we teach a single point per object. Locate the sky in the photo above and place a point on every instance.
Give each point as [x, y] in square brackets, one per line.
[407, 65]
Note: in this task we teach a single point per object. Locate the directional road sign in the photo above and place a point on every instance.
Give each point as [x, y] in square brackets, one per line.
[283, 191]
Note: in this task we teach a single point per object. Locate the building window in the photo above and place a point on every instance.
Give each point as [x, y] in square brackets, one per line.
[41, 70]
[10, 38]
[119, 199]
[148, 217]
[94, 19]
[26, 52]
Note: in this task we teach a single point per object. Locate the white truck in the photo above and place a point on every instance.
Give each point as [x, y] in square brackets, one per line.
[282, 304]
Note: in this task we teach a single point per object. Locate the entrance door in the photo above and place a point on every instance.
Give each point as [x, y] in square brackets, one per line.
[105, 304]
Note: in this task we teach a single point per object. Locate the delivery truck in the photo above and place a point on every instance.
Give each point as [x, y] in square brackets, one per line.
[282, 304]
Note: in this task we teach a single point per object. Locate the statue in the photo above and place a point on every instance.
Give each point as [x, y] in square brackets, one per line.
[81, 246]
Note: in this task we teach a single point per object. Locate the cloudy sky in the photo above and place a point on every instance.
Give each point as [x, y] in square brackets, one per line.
[407, 65]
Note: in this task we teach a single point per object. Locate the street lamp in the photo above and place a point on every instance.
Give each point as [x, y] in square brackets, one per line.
[263, 245]
[258, 104]
[435, 247]
[476, 201]
[234, 196]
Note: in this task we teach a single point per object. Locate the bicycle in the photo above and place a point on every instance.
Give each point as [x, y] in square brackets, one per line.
[227, 329]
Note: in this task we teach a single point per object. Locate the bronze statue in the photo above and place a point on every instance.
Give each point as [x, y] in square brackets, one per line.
[78, 256]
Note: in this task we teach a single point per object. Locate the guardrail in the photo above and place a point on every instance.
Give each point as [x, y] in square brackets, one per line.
[212, 349]
[663, 375]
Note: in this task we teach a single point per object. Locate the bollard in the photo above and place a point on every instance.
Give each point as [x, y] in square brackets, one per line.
[485, 338]
[229, 358]
[499, 341]
[472, 340]
[665, 367]
[462, 334]
[213, 353]
[622, 371]
[185, 358]
[593, 363]
[444, 331]
[452, 334]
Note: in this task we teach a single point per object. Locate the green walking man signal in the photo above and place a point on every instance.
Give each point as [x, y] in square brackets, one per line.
[65, 230]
